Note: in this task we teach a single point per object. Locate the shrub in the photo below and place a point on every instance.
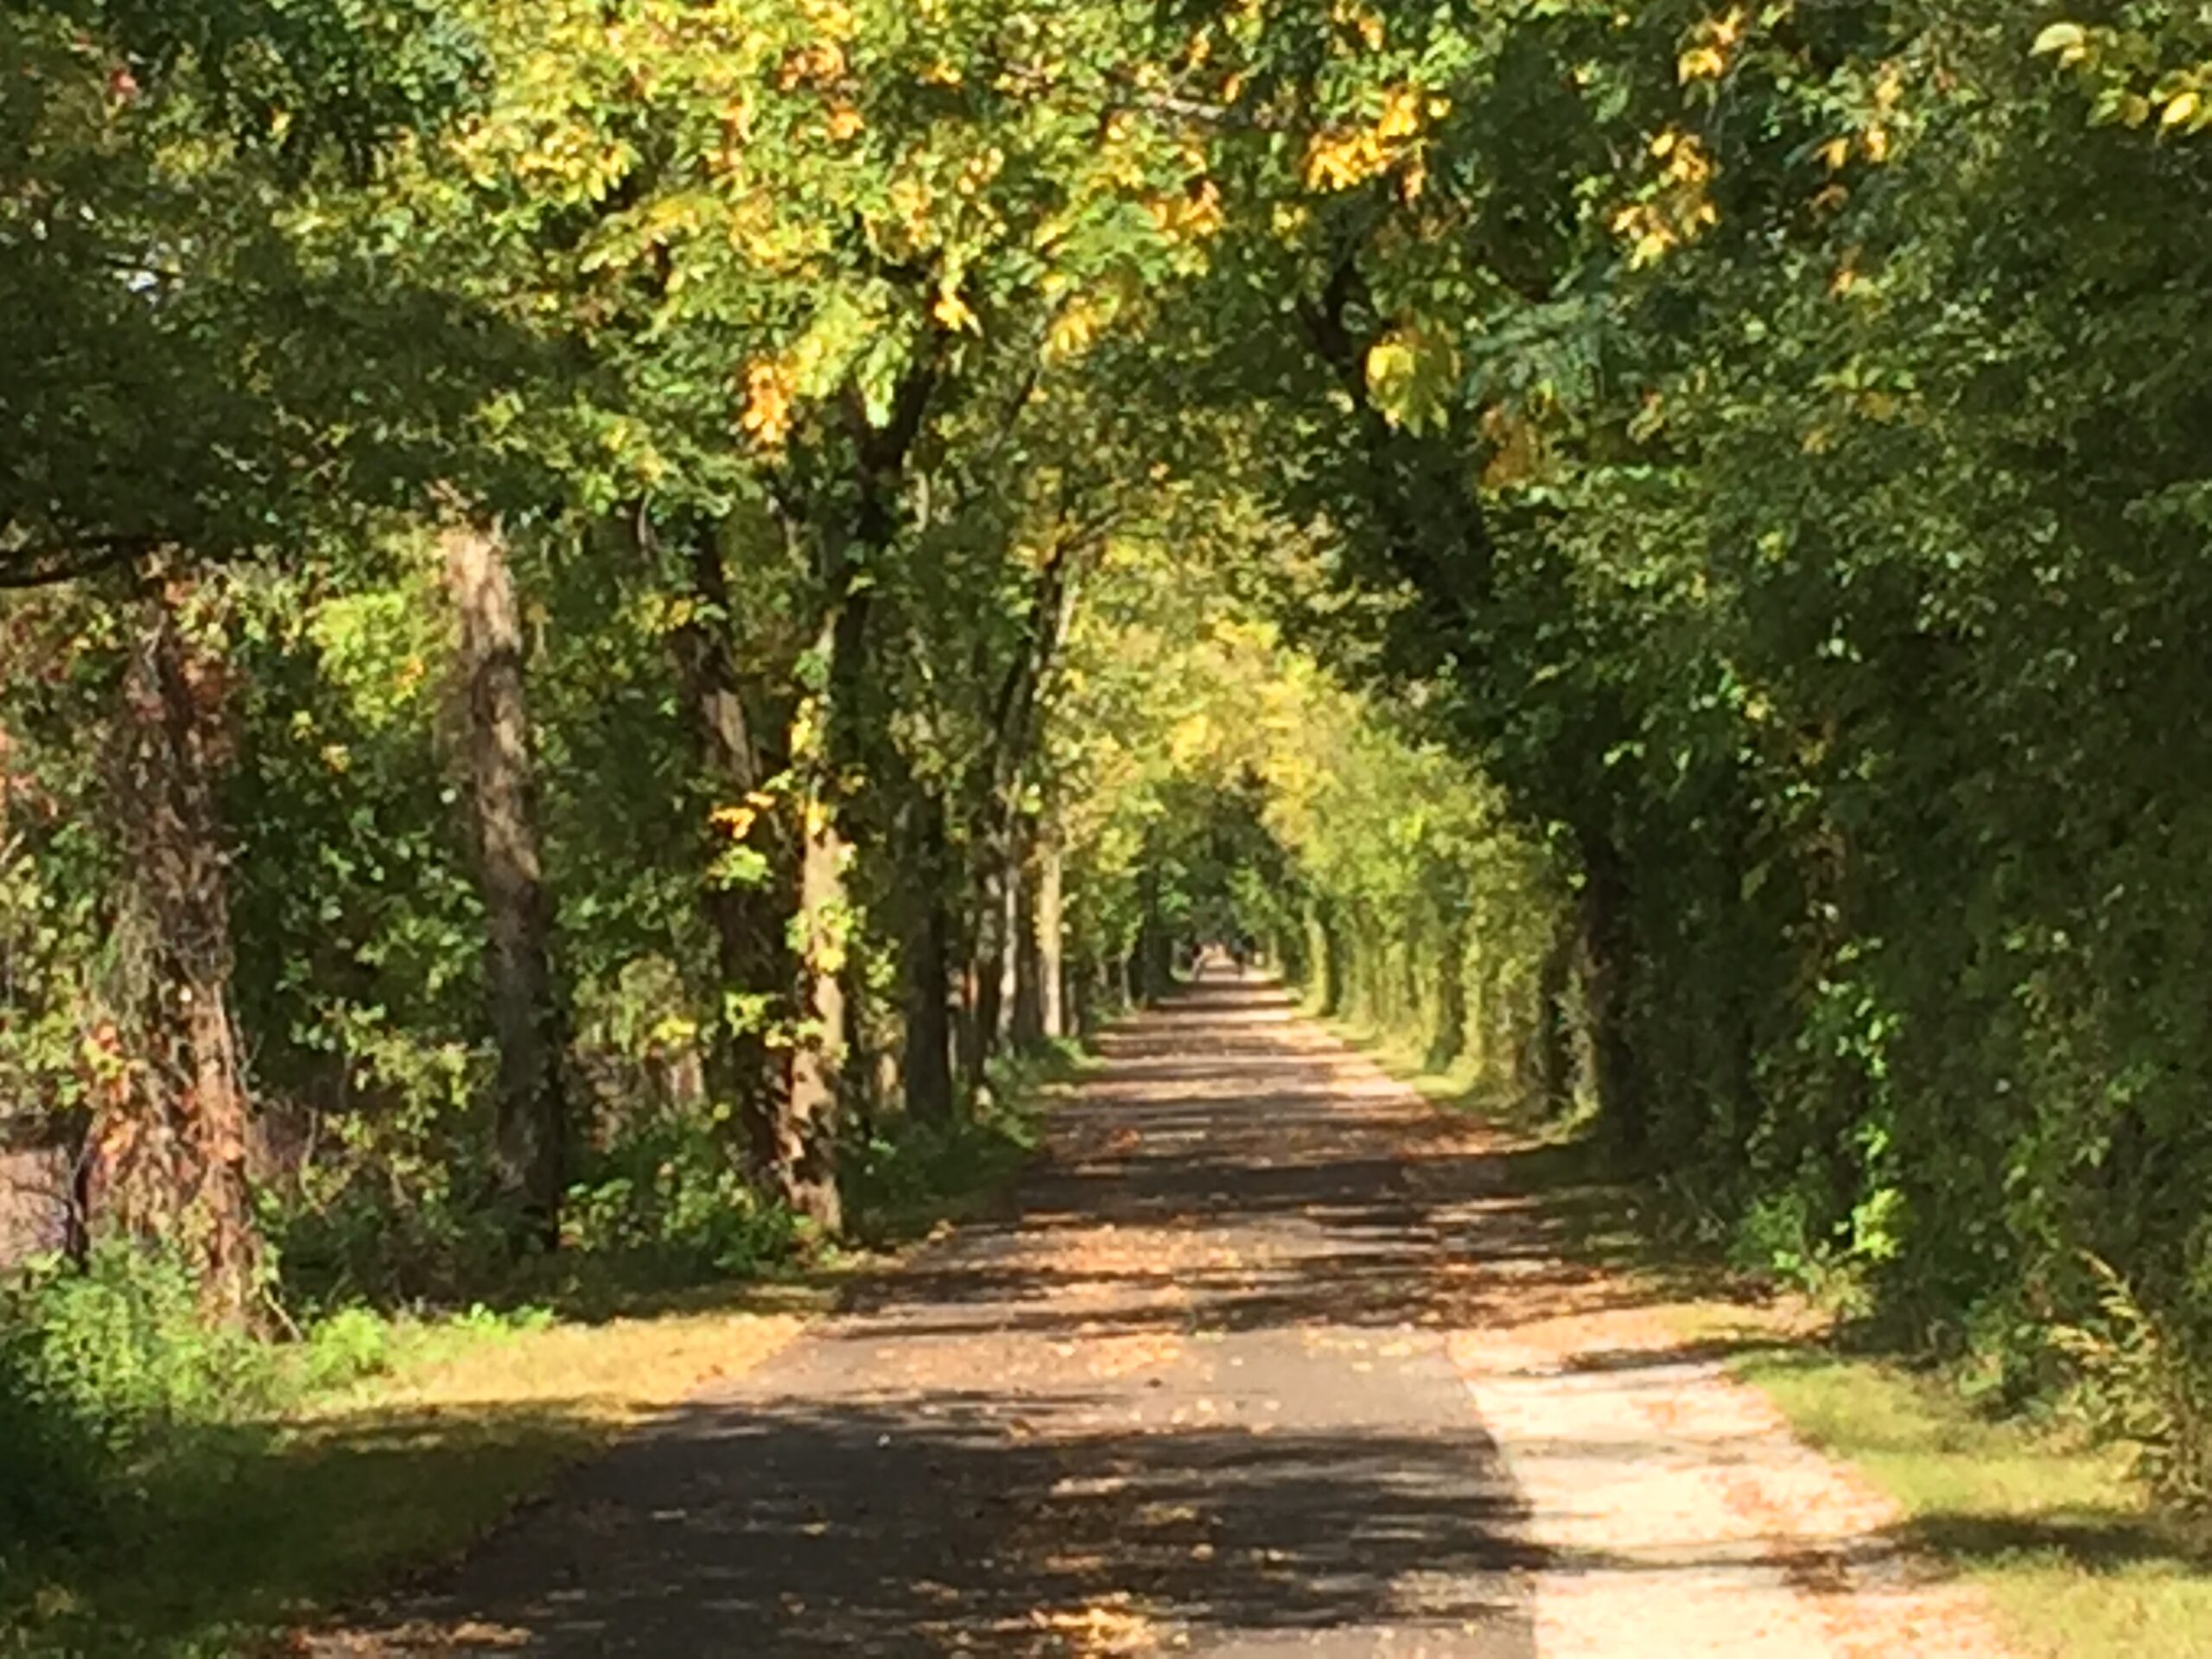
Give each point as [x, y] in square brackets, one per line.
[671, 1197]
[98, 1366]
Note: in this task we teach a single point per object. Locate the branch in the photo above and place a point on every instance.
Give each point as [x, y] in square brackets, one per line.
[25, 566]
[1219, 115]
[1327, 332]
[1396, 465]
[1044, 632]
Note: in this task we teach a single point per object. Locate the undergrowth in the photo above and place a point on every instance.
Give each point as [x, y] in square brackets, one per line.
[124, 1415]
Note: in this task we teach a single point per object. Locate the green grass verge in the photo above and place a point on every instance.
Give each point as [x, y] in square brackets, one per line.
[2064, 1543]
[238, 1530]
[2071, 1553]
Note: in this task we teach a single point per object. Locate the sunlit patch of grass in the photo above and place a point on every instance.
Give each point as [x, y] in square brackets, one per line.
[2063, 1543]
[616, 1372]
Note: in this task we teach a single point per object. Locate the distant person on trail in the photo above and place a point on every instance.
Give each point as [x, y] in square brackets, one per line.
[1241, 953]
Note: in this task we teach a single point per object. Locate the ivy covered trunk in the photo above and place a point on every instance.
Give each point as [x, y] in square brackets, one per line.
[1152, 962]
[529, 1141]
[744, 902]
[169, 1155]
[1552, 1063]
[822, 742]
[1028, 1022]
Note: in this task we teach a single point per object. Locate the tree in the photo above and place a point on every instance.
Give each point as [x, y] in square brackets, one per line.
[531, 1133]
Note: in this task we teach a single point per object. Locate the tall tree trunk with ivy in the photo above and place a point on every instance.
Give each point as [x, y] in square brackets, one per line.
[170, 1149]
[744, 899]
[530, 1132]
[807, 1132]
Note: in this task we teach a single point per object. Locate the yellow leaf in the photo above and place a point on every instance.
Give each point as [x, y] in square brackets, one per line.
[952, 312]
[767, 415]
[1071, 331]
[1836, 153]
[1702, 63]
[2059, 37]
[2179, 109]
[1401, 115]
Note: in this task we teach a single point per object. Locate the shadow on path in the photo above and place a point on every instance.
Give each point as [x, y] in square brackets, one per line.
[1193, 1395]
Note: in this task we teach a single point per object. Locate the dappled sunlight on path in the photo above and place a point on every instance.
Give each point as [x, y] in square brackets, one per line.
[1269, 1357]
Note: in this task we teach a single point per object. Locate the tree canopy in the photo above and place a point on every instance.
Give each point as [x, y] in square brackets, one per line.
[611, 601]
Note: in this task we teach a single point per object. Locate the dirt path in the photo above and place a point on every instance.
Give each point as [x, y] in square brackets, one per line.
[1272, 1358]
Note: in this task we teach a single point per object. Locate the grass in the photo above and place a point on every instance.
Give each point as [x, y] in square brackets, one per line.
[2057, 1535]
[245, 1530]
[2064, 1543]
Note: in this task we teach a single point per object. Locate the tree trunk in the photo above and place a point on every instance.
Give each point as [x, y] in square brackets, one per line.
[169, 1151]
[1554, 1079]
[1028, 992]
[749, 920]
[530, 1148]
[1452, 1014]
[825, 749]
[1155, 964]
[807, 1151]
[1336, 982]
[1018, 1020]
[807, 1136]
[1608, 953]
[968, 1012]
[869, 1079]
[1052, 974]
[987, 972]
[929, 960]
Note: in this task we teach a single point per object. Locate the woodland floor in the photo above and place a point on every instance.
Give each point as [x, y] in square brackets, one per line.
[1267, 1354]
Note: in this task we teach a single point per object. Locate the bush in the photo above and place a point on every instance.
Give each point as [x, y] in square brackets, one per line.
[671, 1197]
[904, 1175]
[97, 1367]
[352, 1344]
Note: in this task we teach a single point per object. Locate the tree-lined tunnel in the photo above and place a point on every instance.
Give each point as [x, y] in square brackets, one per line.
[619, 617]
